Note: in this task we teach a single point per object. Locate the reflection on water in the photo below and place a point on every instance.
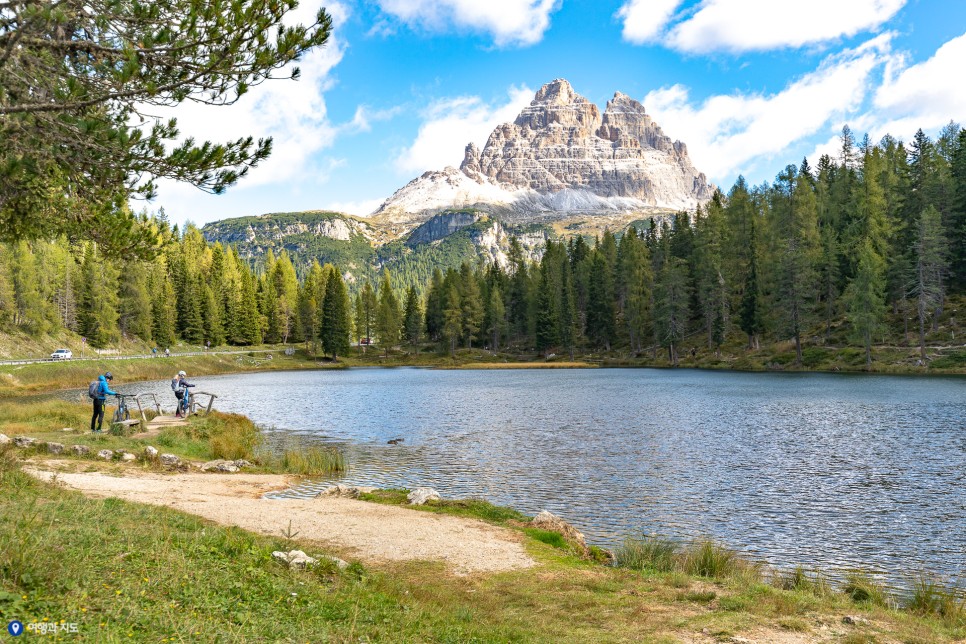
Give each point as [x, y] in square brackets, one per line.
[831, 470]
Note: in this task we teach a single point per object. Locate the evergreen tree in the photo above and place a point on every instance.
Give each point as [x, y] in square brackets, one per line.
[471, 302]
[797, 252]
[246, 326]
[672, 297]
[335, 327]
[98, 312]
[496, 324]
[134, 301]
[435, 305]
[601, 325]
[29, 305]
[865, 297]
[548, 317]
[927, 287]
[957, 227]
[752, 318]
[452, 317]
[388, 315]
[413, 318]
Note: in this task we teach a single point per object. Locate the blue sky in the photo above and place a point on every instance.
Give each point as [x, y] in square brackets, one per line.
[749, 85]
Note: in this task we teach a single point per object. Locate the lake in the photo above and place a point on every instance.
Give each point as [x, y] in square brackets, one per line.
[823, 470]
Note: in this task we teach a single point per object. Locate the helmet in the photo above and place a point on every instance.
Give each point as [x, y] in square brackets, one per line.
[182, 373]
[109, 376]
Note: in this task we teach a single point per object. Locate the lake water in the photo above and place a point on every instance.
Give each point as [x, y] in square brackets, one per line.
[833, 471]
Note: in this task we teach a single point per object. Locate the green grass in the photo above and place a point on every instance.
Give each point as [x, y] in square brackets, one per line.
[930, 596]
[862, 588]
[129, 572]
[648, 552]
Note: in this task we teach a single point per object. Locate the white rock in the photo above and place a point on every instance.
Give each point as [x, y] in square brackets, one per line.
[420, 495]
[67, 429]
[150, 452]
[170, 460]
[127, 457]
[80, 450]
[55, 448]
[350, 491]
[220, 465]
[294, 559]
[340, 564]
[105, 454]
[23, 441]
[4, 439]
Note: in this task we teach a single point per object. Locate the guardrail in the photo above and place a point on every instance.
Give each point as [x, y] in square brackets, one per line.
[154, 397]
[136, 356]
[195, 406]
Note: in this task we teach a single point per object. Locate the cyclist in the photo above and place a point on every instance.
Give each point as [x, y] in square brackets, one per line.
[180, 386]
[100, 392]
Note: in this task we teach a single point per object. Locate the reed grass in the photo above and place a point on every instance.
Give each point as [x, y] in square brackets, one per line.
[930, 596]
[647, 552]
[863, 588]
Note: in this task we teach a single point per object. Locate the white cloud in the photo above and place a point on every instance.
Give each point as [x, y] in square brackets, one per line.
[362, 208]
[645, 19]
[754, 25]
[926, 95]
[450, 124]
[730, 133]
[510, 22]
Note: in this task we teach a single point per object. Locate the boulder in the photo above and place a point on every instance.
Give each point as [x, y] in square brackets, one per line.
[294, 559]
[420, 495]
[170, 460]
[340, 564]
[240, 463]
[220, 465]
[55, 448]
[350, 491]
[552, 523]
[128, 457]
[150, 453]
[23, 441]
[105, 454]
[4, 439]
[80, 450]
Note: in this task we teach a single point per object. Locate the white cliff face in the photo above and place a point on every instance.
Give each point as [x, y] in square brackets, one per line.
[562, 155]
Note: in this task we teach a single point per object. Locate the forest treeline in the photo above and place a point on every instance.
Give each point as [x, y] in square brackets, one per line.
[875, 237]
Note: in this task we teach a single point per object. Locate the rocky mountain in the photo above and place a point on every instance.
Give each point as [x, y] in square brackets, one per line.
[362, 249]
[561, 156]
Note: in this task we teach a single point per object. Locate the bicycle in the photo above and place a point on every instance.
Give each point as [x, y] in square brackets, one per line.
[184, 405]
[122, 412]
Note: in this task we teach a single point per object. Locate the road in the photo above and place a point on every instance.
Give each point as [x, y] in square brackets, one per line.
[137, 357]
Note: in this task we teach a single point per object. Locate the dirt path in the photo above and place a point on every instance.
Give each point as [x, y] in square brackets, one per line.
[367, 531]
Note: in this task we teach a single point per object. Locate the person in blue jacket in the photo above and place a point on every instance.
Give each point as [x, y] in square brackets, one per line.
[103, 391]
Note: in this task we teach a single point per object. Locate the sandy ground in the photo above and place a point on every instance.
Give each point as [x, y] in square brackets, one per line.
[367, 531]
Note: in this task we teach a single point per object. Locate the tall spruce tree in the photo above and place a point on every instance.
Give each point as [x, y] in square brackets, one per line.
[335, 327]
[388, 315]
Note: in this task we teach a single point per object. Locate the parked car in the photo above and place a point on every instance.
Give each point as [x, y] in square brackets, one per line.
[61, 354]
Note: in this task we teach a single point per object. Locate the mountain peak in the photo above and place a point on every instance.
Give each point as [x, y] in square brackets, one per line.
[561, 154]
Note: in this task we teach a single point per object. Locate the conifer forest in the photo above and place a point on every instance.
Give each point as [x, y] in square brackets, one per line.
[862, 249]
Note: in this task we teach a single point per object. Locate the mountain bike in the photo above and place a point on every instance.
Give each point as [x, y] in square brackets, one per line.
[184, 405]
[122, 412]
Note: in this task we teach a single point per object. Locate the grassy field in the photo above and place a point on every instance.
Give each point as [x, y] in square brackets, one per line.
[130, 572]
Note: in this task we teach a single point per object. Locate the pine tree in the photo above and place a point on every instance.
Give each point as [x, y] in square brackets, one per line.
[435, 305]
[134, 301]
[388, 315]
[496, 324]
[98, 312]
[672, 297]
[471, 303]
[335, 328]
[930, 252]
[601, 325]
[413, 319]
[246, 326]
[957, 227]
[452, 318]
[163, 312]
[548, 317]
[752, 317]
[797, 253]
[29, 305]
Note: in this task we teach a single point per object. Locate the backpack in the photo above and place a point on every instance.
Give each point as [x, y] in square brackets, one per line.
[92, 389]
[175, 383]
